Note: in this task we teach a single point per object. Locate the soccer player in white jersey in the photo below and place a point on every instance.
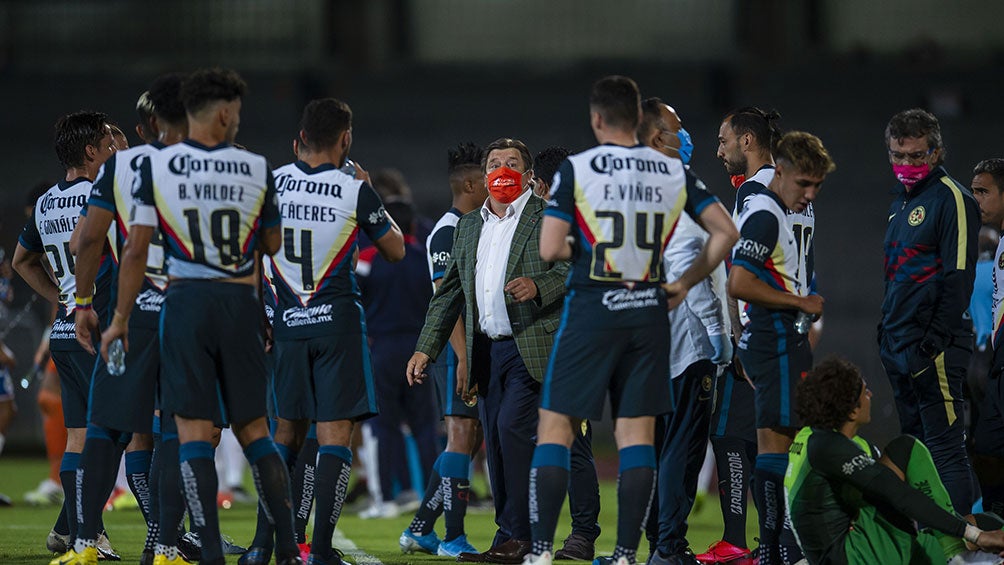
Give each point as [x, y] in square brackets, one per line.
[988, 431]
[107, 214]
[772, 270]
[83, 143]
[322, 363]
[612, 211]
[216, 206]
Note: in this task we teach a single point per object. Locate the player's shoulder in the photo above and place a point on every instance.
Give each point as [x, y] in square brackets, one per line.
[447, 221]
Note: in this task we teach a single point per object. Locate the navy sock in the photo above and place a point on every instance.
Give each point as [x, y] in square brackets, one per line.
[172, 501]
[735, 469]
[68, 475]
[432, 503]
[97, 462]
[334, 464]
[271, 478]
[264, 532]
[137, 468]
[153, 522]
[549, 471]
[200, 484]
[635, 489]
[61, 527]
[768, 489]
[455, 470]
[303, 484]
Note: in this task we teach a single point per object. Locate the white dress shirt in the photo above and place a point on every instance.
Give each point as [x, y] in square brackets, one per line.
[490, 267]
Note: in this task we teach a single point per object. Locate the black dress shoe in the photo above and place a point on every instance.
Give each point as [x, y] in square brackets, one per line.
[511, 552]
[577, 547]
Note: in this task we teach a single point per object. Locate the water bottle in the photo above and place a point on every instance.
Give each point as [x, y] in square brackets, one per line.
[349, 168]
[116, 358]
[803, 322]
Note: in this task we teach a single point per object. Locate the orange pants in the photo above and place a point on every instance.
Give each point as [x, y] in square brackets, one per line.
[51, 406]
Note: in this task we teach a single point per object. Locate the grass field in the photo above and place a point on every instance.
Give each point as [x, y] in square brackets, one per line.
[23, 528]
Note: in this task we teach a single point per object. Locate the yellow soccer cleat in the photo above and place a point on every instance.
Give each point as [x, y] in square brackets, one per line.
[163, 560]
[89, 556]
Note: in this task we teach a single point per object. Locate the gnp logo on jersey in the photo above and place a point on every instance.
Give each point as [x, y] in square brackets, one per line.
[306, 316]
[50, 202]
[916, 216]
[287, 183]
[752, 249]
[375, 217]
[627, 299]
[184, 165]
[607, 164]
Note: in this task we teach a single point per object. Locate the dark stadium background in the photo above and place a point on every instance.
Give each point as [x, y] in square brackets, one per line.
[422, 75]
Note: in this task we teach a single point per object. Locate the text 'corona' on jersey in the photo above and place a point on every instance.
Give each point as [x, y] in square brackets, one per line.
[51, 201]
[608, 163]
[184, 164]
[288, 183]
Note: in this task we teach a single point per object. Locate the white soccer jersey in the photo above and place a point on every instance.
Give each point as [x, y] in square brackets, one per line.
[768, 248]
[113, 191]
[624, 202]
[998, 293]
[55, 215]
[210, 203]
[322, 211]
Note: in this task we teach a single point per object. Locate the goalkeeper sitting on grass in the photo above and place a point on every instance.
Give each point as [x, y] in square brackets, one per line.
[849, 504]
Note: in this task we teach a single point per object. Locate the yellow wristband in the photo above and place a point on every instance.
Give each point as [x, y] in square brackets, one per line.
[83, 300]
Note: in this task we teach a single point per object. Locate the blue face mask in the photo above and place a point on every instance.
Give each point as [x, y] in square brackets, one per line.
[686, 149]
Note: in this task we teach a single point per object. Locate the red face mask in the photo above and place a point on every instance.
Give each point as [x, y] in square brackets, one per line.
[505, 184]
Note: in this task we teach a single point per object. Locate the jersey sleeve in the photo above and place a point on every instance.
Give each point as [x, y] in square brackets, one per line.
[103, 189]
[270, 208]
[698, 197]
[144, 211]
[370, 213]
[839, 459]
[743, 193]
[30, 239]
[561, 200]
[757, 239]
[440, 251]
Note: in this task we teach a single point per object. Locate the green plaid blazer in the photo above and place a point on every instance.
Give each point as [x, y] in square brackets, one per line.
[533, 322]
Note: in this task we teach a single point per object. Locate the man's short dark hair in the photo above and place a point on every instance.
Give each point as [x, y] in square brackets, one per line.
[993, 167]
[74, 132]
[829, 393]
[205, 86]
[508, 143]
[323, 122]
[165, 98]
[546, 163]
[650, 116]
[463, 157]
[914, 122]
[762, 125]
[391, 186]
[617, 99]
[144, 111]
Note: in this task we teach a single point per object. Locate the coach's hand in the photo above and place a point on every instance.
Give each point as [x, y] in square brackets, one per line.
[676, 292]
[415, 373]
[86, 322]
[522, 289]
[119, 328]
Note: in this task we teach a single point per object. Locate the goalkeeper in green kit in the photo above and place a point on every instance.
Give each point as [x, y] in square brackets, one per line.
[849, 504]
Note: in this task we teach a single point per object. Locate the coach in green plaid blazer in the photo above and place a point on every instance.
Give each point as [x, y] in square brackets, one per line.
[534, 322]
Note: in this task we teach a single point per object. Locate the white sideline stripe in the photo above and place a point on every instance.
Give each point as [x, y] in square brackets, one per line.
[352, 550]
